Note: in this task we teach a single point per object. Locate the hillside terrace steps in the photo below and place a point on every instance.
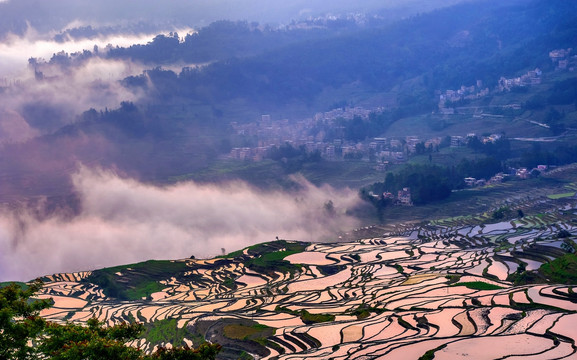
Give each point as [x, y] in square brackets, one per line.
[404, 278]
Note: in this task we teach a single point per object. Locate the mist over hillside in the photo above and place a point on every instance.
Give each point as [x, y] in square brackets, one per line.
[171, 98]
[74, 26]
[122, 220]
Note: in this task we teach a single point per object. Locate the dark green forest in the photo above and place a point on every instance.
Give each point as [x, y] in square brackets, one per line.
[445, 49]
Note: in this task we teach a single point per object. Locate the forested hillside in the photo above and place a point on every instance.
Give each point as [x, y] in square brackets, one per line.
[443, 49]
[181, 121]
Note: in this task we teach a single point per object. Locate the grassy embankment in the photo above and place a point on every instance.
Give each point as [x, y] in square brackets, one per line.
[135, 281]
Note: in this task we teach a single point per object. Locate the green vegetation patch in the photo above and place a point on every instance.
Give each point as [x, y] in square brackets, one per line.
[143, 290]
[236, 336]
[522, 277]
[405, 324]
[229, 283]
[245, 332]
[305, 316]
[274, 257]
[363, 311]
[22, 285]
[309, 318]
[430, 355]
[328, 270]
[561, 196]
[269, 257]
[562, 270]
[453, 279]
[501, 213]
[479, 285]
[135, 281]
[284, 245]
[166, 331]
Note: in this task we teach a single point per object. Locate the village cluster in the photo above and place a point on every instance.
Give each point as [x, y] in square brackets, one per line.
[380, 150]
[269, 133]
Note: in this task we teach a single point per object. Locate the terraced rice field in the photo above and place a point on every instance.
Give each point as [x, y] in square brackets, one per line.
[445, 288]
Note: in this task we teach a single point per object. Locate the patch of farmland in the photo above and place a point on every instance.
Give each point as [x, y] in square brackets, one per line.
[395, 296]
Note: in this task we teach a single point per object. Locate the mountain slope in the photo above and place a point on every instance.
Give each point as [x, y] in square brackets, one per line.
[447, 48]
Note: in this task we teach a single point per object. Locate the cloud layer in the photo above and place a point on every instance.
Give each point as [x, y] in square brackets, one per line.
[124, 221]
[34, 104]
[31, 107]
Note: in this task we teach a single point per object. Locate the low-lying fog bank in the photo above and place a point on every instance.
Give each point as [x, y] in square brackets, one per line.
[123, 221]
